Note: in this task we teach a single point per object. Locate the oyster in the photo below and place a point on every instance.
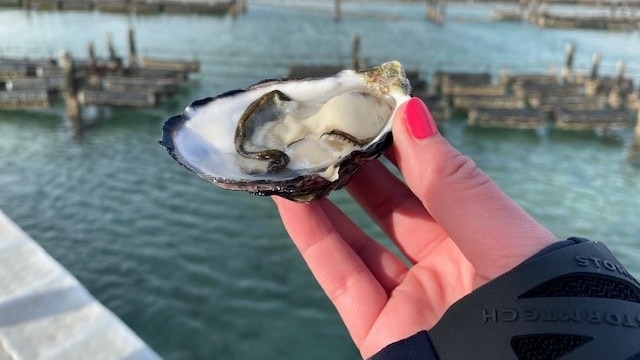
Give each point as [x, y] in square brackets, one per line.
[298, 139]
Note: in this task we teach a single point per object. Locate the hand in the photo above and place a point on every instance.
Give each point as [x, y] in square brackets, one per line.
[455, 227]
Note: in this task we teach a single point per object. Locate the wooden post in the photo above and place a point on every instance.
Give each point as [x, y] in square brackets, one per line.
[112, 50]
[94, 76]
[568, 64]
[634, 150]
[637, 129]
[233, 10]
[616, 97]
[133, 57]
[337, 11]
[435, 11]
[620, 70]
[114, 61]
[71, 90]
[355, 53]
[427, 9]
[595, 64]
[238, 7]
[93, 62]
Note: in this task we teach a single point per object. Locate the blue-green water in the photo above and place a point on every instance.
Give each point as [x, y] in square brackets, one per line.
[202, 273]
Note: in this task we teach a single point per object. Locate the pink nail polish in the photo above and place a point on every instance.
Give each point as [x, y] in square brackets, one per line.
[419, 120]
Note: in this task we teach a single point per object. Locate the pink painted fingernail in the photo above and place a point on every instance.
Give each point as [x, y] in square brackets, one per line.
[419, 120]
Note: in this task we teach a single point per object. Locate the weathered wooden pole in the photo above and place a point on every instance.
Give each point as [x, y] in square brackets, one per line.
[568, 64]
[71, 91]
[592, 83]
[114, 61]
[133, 55]
[234, 9]
[621, 67]
[112, 50]
[613, 9]
[634, 150]
[595, 64]
[337, 11]
[94, 76]
[355, 53]
[93, 62]
[434, 11]
[616, 95]
[427, 9]
[637, 129]
[237, 7]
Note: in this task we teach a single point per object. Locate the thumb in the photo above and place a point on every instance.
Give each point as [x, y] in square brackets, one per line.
[492, 231]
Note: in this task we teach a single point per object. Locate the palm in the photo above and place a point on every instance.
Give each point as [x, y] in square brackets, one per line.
[427, 289]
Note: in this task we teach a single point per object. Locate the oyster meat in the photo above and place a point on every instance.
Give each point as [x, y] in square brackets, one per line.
[298, 139]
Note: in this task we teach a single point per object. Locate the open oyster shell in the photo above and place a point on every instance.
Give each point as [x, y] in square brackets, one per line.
[298, 139]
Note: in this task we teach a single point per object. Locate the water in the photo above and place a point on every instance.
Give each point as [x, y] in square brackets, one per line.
[202, 273]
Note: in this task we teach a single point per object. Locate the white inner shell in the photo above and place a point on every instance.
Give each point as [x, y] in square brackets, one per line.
[303, 133]
[206, 142]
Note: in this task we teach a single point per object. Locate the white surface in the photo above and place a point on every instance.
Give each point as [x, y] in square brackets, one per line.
[45, 313]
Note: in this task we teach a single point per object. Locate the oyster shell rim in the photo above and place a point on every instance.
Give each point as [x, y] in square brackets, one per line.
[302, 188]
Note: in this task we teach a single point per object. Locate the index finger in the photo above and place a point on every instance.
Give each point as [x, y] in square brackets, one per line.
[342, 273]
[493, 232]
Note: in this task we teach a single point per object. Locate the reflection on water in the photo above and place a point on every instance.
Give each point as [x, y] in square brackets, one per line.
[204, 273]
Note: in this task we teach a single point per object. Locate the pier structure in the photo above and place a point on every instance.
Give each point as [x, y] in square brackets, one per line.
[147, 7]
[521, 118]
[521, 100]
[420, 87]
[565, 101]
[616, 15]
[532, 101]
[28, 83]
[602, 120]
[48, 314]
[569, 100]
[500, 105]
[616, 23]
[139, 82]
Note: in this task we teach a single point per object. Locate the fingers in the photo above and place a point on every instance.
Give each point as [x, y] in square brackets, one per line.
[385, 266]
[339, 268]
[396, 210]
[493, 232]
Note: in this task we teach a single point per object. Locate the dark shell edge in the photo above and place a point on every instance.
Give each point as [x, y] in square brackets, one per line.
[304, 188]
[315, 187]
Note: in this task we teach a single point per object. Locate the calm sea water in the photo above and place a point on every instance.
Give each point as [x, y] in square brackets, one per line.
[202, 273]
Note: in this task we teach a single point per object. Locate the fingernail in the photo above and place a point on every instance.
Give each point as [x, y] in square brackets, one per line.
[419, 119]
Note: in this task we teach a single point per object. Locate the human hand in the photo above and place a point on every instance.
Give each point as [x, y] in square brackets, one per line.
[455, 227]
